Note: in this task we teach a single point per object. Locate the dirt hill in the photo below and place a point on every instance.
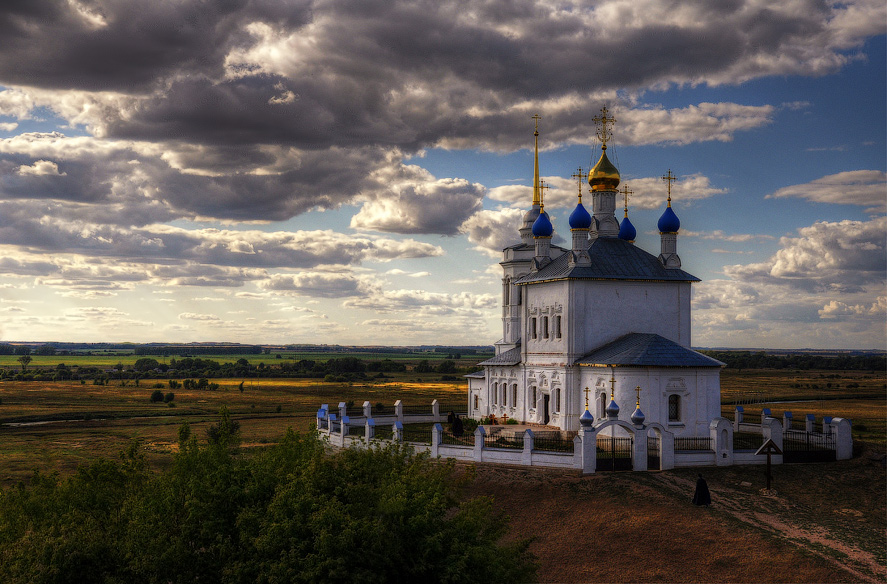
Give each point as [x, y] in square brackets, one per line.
[820, 523]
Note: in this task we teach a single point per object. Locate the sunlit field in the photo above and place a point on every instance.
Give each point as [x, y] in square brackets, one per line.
[58, 425]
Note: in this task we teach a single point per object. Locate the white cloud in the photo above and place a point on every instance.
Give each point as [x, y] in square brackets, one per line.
[867, 188]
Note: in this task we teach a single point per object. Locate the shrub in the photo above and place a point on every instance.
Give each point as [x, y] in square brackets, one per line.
[169, 397]
[156, 396]
[512, 421]
[173, 384]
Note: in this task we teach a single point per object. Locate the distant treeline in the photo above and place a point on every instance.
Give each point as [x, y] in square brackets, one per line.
[147, 368]
[198, 350]
[802, 361]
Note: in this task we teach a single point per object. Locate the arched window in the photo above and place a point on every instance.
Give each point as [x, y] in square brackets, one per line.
[476, 403]
[557, 400]
[514, 395]
[504, 394]
[544, 327]
[535, 398]
[557, 327]
[495, 392]
[602, 406]
[674, 408]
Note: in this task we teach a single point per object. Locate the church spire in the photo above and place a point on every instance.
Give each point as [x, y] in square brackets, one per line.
[537, 193]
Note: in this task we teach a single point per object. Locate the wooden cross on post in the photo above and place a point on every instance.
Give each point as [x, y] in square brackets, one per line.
[769, 447]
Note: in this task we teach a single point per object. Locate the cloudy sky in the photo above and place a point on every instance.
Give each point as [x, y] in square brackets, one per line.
[347, 171]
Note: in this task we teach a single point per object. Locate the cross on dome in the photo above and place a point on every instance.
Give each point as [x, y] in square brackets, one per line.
[603, 132]
[669, 178]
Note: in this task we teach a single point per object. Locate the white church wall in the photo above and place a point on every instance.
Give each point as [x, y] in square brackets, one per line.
[606, 310]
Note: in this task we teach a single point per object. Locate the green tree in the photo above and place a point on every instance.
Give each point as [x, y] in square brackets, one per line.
[24, 360]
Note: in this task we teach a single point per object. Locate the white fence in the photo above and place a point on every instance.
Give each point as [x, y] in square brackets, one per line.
[652, 447]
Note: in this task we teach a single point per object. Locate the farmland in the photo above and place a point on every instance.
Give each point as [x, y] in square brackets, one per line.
[58, 426]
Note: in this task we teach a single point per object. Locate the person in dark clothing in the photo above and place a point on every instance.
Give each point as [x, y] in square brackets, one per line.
[458, 430]
[701, 496]
[450, 417]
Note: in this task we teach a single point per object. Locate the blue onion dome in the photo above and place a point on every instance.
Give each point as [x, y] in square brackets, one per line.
[542, 226]
[579, 218]
[586, 419]
[612, 409]
[627, 230]
[637, 418]
[669, 222]
[604, 176]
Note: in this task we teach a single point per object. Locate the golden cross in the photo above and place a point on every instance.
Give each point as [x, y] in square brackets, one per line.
[542, 187]
[586, 397]
[536, 117]
[613, 383]
[604, 131]
[580, 176]
[626, 192]
[669, 178]
[638, 390]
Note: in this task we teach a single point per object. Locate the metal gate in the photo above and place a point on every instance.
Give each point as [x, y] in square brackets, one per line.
[808, 447]
[654, 455]
[614, 453]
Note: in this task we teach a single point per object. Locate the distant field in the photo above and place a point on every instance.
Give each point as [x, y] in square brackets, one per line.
[110, 361]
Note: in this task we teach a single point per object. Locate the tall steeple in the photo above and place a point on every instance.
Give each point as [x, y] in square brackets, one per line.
[526, 230]
[603, 180]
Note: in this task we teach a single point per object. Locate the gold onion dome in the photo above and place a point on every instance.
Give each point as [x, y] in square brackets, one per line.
[604, 176]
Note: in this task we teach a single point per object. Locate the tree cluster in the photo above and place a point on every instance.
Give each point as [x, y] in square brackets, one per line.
[290, 513]
[801, 361]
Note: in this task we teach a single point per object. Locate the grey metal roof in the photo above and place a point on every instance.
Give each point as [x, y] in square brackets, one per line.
[646, 350]
[611, 259]
[509, 357]
[476, 374]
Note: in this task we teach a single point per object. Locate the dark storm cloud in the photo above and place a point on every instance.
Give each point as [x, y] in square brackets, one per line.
[125, 46]
[405, 74]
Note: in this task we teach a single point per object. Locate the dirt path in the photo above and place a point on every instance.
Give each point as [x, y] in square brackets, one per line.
[772, 513]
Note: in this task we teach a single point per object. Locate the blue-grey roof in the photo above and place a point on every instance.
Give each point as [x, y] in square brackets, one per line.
[476, 374]
[611, 259]
[646, 350]
[510, 357]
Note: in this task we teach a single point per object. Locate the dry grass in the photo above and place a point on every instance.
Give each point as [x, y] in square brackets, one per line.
[628, 527]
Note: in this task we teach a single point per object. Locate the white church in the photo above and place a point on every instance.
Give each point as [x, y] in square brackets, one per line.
[602, 327]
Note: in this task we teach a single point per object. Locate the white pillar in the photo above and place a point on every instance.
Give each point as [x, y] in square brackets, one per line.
[737, 418]
[772, 429]
[436, 438]
[527, 454]
[843, 438]
[640, 449]
[479, 436]
[367, 409]
[435, 410]
[722, 441]
[398, 410]
[370, 429]
[786, 421]
[588, 448]
[397, 431]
